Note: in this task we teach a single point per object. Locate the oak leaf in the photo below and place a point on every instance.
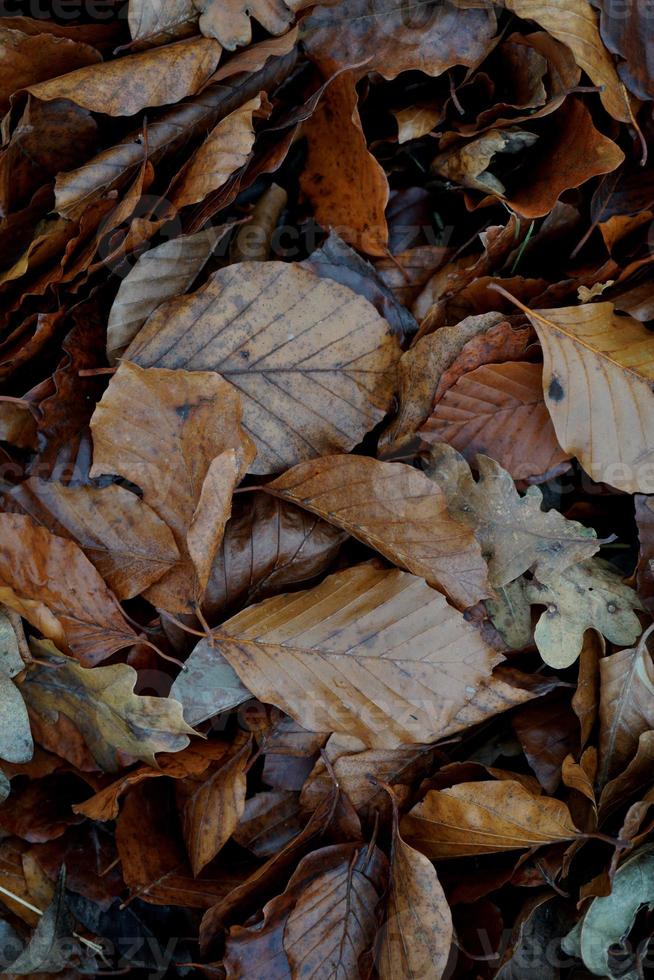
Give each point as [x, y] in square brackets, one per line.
[115, 722]
[514, 532]
[229, 21]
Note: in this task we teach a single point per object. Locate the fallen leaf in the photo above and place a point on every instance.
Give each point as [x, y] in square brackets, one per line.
[312, 361]
[514, 532]
[604, 418]
[418, 932]
[499, 409]
[229, 20]
[626, 687]
[76, 608]
[100, 702]
[224, 152]
[165, 271]
[368, 675]
[192, 761]
[586, 595]
[16, 743]
[158, 21]
[27, 59]
[172, 462]
[212, 807]
[395, 37]
[396, 510]
[609, 920]
[485, 818]
[49, 948]
[575, 24]
[128, 544]
[166, 75]
[269, 821]
[345, 184]
[268, 545]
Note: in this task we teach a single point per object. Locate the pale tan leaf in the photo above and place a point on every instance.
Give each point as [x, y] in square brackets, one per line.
[212, 807]
[499, 409]
[313, 362]
[75, 607]
[575, 23]
[162, 430]
[16, 743]
[128, 544]
[485, 818]
[396, 510]
[417, 935]
[229, 21]
[416, 121]
[114, 722]
[597, 379]
[165, 76]
[626, 706]
[159, 21]
[226, 150]
[158, 275]
[207, 526]
[369, 652]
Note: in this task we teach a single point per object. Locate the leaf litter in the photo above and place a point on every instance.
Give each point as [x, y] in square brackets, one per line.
[326, 491]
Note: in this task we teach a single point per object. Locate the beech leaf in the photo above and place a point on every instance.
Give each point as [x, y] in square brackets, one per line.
[312, 361]
[366, 645]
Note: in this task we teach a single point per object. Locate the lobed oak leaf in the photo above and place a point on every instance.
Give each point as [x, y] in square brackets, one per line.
[514, 532]
[115, 722]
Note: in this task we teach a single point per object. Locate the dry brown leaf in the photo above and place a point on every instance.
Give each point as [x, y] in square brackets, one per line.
[26, 60]
[128, 544]
[192, 761]
[419, 371]
[115, 723]
[416, 121]
[229, 21]
[499, 410]
[212, 807]
[345, 184]
[270, 820]
[50, 581]
[418, 932]
[396, 510]
[626, 706]
[313, 362]
[165, 76]
[268, 545]
[162, 430]
[574, 23]
[159, 274]
[394, 36]
[365, 654]
[225, 151]
[153, 862]
[158, 21]
[485, 818]
[597, 379]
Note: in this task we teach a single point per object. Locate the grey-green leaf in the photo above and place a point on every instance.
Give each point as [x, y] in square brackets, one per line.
[208, 686]
[610, 918]
[16, 743]
[52, 942]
